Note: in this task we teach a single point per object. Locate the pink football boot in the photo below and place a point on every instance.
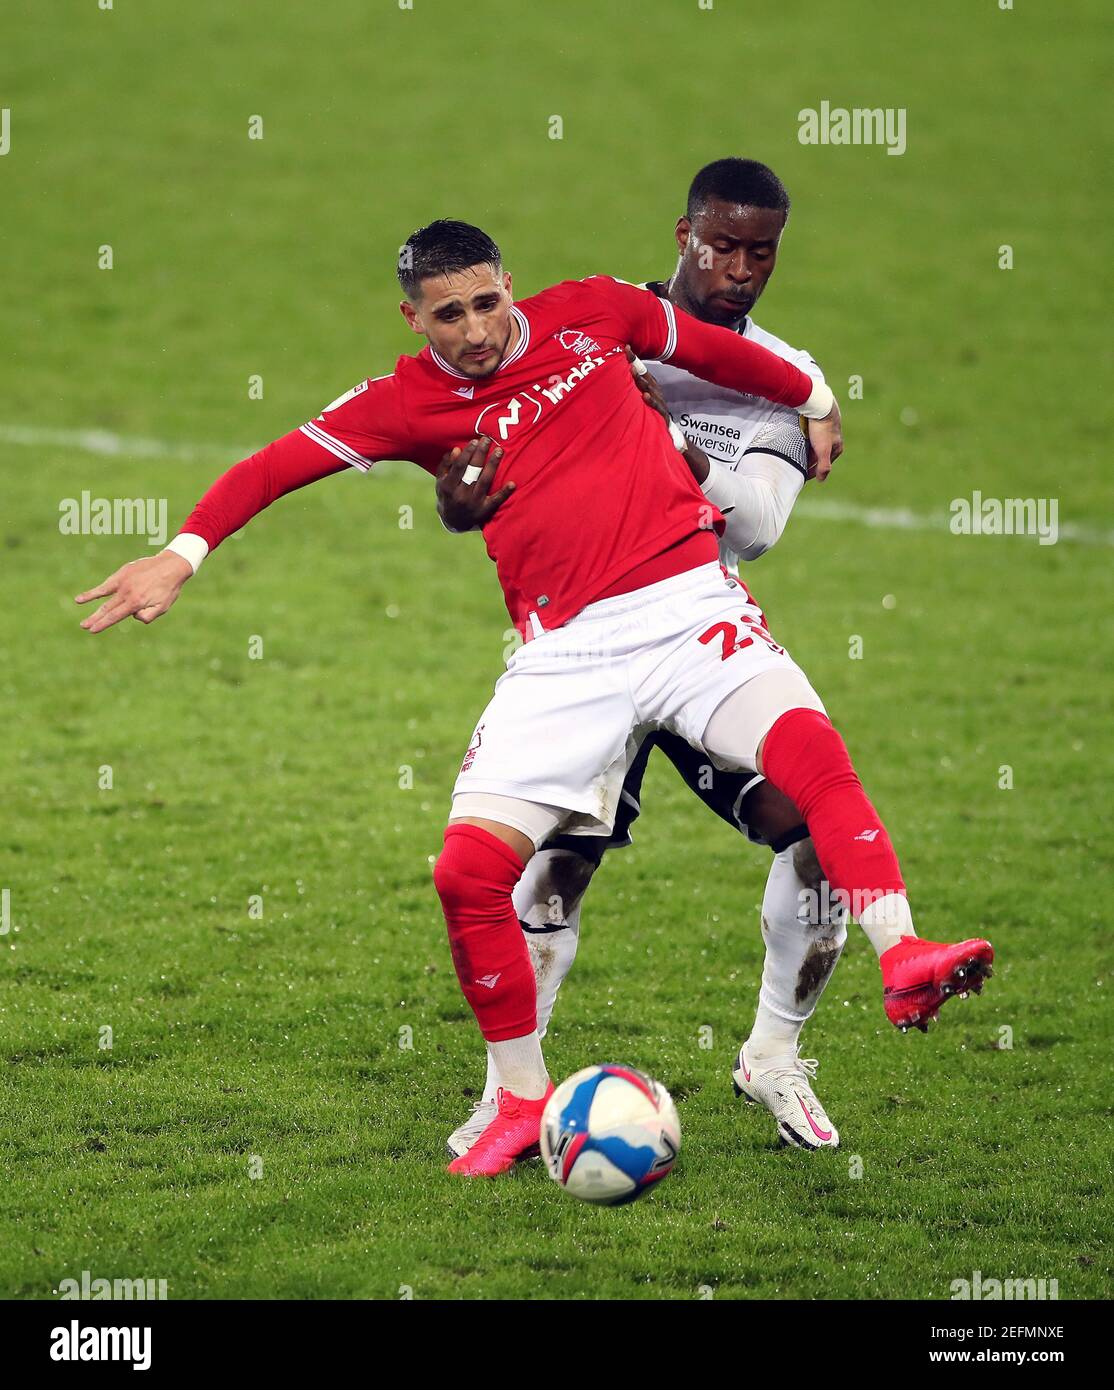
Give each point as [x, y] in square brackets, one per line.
[918, 976]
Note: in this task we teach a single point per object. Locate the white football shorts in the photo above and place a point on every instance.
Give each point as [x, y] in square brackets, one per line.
[574, 704]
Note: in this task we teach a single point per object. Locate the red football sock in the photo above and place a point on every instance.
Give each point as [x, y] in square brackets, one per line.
[474, 876]
[804, 756]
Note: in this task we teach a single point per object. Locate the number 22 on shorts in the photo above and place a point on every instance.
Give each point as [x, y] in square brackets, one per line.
[728, 633]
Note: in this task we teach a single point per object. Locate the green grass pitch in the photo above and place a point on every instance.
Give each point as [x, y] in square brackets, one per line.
[270, 1046]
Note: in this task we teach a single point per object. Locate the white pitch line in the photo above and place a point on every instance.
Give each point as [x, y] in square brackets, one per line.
[902, 519]
[111, 445]
[114, 445]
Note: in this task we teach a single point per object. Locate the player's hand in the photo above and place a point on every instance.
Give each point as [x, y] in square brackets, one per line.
[143, 589]
[462, 495]
[696, 458]
[651, 391]
[825, 443]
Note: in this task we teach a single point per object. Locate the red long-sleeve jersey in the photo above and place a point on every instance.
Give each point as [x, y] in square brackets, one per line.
[600, 488]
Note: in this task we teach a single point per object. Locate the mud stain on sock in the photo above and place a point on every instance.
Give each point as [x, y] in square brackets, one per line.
[818, 964]
[543, 956]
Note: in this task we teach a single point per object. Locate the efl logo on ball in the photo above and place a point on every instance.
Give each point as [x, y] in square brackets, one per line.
[609, 1133]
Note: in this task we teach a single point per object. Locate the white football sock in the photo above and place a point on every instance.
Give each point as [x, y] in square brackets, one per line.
[552, 954]
[886, 921]
[520, 1066]
[491, 1084]
[771, 1034]
[804, 931]
[540, 903]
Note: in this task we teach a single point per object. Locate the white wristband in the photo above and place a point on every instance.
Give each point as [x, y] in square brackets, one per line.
[680, 443]
[820, 402]
[191, 548]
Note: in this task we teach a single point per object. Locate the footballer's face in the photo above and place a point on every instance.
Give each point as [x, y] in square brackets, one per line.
[466, 316]
[728, 252]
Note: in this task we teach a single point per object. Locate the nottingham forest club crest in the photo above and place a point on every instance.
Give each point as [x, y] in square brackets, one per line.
[574, 341]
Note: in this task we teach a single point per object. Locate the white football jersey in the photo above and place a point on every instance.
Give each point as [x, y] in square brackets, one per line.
[725, 423]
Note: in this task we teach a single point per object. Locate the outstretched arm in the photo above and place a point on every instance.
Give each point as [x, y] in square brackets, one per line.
[365, 424]
[146, 588]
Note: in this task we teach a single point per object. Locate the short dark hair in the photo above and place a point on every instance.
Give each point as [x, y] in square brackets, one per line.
[742, 181]
[441, 248]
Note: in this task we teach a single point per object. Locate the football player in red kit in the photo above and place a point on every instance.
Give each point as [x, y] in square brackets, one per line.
[628, 623]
